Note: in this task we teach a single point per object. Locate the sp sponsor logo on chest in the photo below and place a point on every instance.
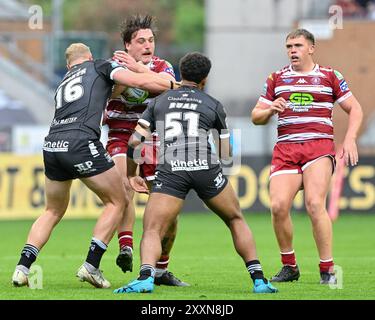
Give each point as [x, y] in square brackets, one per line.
[301, 101]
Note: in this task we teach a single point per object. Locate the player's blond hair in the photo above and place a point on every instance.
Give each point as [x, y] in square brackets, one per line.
[301, 32]
[76, 51]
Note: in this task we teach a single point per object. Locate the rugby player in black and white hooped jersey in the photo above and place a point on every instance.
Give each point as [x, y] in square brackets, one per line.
[183, 119]
[72, 150]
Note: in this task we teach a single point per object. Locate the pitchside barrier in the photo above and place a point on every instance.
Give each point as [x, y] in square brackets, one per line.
[22, 189]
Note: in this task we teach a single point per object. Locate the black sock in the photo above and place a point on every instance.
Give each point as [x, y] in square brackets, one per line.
[255, 269]
[146, 271]
[28, 255]
[96, 251]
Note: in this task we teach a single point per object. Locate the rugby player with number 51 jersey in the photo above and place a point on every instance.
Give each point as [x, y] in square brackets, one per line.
[183, 119]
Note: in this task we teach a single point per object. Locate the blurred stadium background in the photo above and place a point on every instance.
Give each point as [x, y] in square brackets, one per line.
[244, 39]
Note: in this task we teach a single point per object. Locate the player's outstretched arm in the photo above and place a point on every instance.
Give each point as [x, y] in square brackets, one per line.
[349, 150]
[145, 81]
[125, 59]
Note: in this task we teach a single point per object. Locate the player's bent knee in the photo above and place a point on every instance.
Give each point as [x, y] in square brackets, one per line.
[233, 217]
[314, 208]
[154, 231]
[151, 223]
[279, 209]
[237, 218]
[117, 204]
[55, 214]
[116, 197]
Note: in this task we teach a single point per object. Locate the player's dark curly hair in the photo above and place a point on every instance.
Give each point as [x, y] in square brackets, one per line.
[194, 66]
[133, 24]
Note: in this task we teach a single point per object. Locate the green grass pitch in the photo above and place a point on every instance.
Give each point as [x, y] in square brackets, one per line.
[203, 256]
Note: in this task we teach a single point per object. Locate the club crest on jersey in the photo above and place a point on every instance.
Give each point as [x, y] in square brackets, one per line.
[315, 80]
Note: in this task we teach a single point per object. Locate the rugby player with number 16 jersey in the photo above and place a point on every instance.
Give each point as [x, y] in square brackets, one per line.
[72, 150]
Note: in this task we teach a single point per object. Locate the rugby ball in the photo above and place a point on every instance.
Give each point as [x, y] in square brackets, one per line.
[134, 95]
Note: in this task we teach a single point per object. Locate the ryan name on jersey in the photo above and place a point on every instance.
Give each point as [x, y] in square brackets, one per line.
[180, 105]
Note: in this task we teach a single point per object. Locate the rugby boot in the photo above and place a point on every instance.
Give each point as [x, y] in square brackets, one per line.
[19, 278]
[95, 278]
[137, 286]
[286, 274]
[125, 259]
[328, 278]
[169, 279]
[263, 286]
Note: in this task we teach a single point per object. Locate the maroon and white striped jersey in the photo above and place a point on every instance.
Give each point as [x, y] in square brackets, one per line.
[123, 113]
[310, 98]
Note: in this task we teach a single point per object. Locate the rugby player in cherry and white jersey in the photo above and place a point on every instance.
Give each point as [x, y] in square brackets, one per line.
[122, 114]
[302, 95]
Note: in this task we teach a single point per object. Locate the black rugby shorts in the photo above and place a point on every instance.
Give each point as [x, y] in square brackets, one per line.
[68, 157]
[206, 183]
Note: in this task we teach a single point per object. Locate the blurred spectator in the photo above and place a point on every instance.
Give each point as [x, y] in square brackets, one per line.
[351, 8]
[363, 3]
[12, 112]
[371, 10]
[368, 6]
[357, 8]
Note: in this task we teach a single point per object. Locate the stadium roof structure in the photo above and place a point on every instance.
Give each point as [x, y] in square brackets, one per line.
[10, 9]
